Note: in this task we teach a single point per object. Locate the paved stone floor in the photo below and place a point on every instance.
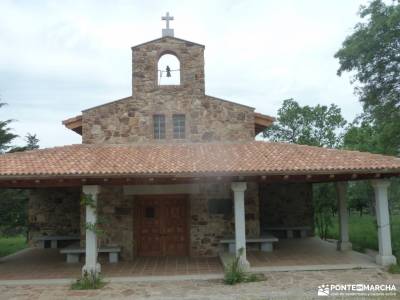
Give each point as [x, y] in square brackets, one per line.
[307, 251]
[50, 264]
[278, 285]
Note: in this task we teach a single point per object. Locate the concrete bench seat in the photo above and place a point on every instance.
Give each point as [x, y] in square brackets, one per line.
[265, 242]
[290, 230]
[54, 239]
[74, 251]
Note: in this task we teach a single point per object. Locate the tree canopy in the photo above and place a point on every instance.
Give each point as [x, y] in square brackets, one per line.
[372, 54]
[372, 51]
[316, 126]
[6, 136]
[32, 143]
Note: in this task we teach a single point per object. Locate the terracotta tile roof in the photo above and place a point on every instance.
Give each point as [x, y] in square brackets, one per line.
[255, 157]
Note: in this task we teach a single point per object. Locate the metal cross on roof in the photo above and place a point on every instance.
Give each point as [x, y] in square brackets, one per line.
[167, 31]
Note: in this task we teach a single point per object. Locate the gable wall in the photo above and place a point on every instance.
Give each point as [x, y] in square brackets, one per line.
[130, 120]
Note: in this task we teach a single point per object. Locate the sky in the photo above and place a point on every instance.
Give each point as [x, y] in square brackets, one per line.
[58, 58]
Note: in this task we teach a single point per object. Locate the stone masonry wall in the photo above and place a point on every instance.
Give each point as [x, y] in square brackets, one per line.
[115, 218]
[53, 211]
[286, 205]
[145, 64]
[116, 210]
[130, 120]
[207, 229]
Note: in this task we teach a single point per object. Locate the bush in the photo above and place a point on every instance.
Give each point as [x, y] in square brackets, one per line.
[89, 281]
[234, 274]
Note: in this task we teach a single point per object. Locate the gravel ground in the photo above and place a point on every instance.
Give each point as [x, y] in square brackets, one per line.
[278, 285]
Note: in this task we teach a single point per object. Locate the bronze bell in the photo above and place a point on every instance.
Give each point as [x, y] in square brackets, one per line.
[168, 70]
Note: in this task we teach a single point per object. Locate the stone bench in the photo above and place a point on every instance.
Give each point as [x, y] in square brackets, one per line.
[54, 239]
[74, 251]
[265, 242]
[290, 230]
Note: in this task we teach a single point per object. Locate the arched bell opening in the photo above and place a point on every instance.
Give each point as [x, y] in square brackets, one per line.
[169, 70]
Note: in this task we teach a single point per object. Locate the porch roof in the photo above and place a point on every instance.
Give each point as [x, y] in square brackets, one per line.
[191, 160]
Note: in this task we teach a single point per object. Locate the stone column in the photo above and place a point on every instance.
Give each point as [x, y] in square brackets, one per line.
[238, 189]
[343, 243]
[385, 256]
[91, 264]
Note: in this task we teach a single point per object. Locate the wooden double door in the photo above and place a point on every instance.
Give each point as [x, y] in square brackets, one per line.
[162, 225]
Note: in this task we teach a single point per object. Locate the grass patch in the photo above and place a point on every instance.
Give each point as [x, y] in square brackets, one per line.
[234, 273]
[234, 277]
[394, 269]
[363, 232]
[10, 245]
[88, 282]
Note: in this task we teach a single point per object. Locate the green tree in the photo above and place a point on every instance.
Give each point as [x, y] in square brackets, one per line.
[361, 197]
[6, 136]
[32, 143]
[315, 126]
[362, 136]
[325, 206]
[13, 211]
[372, 54]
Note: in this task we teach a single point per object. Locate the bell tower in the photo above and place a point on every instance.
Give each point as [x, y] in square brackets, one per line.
[168, 65]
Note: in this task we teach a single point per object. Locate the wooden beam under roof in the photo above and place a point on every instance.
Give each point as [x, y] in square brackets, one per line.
[75, 124]
[58, 181]
[261, 122]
